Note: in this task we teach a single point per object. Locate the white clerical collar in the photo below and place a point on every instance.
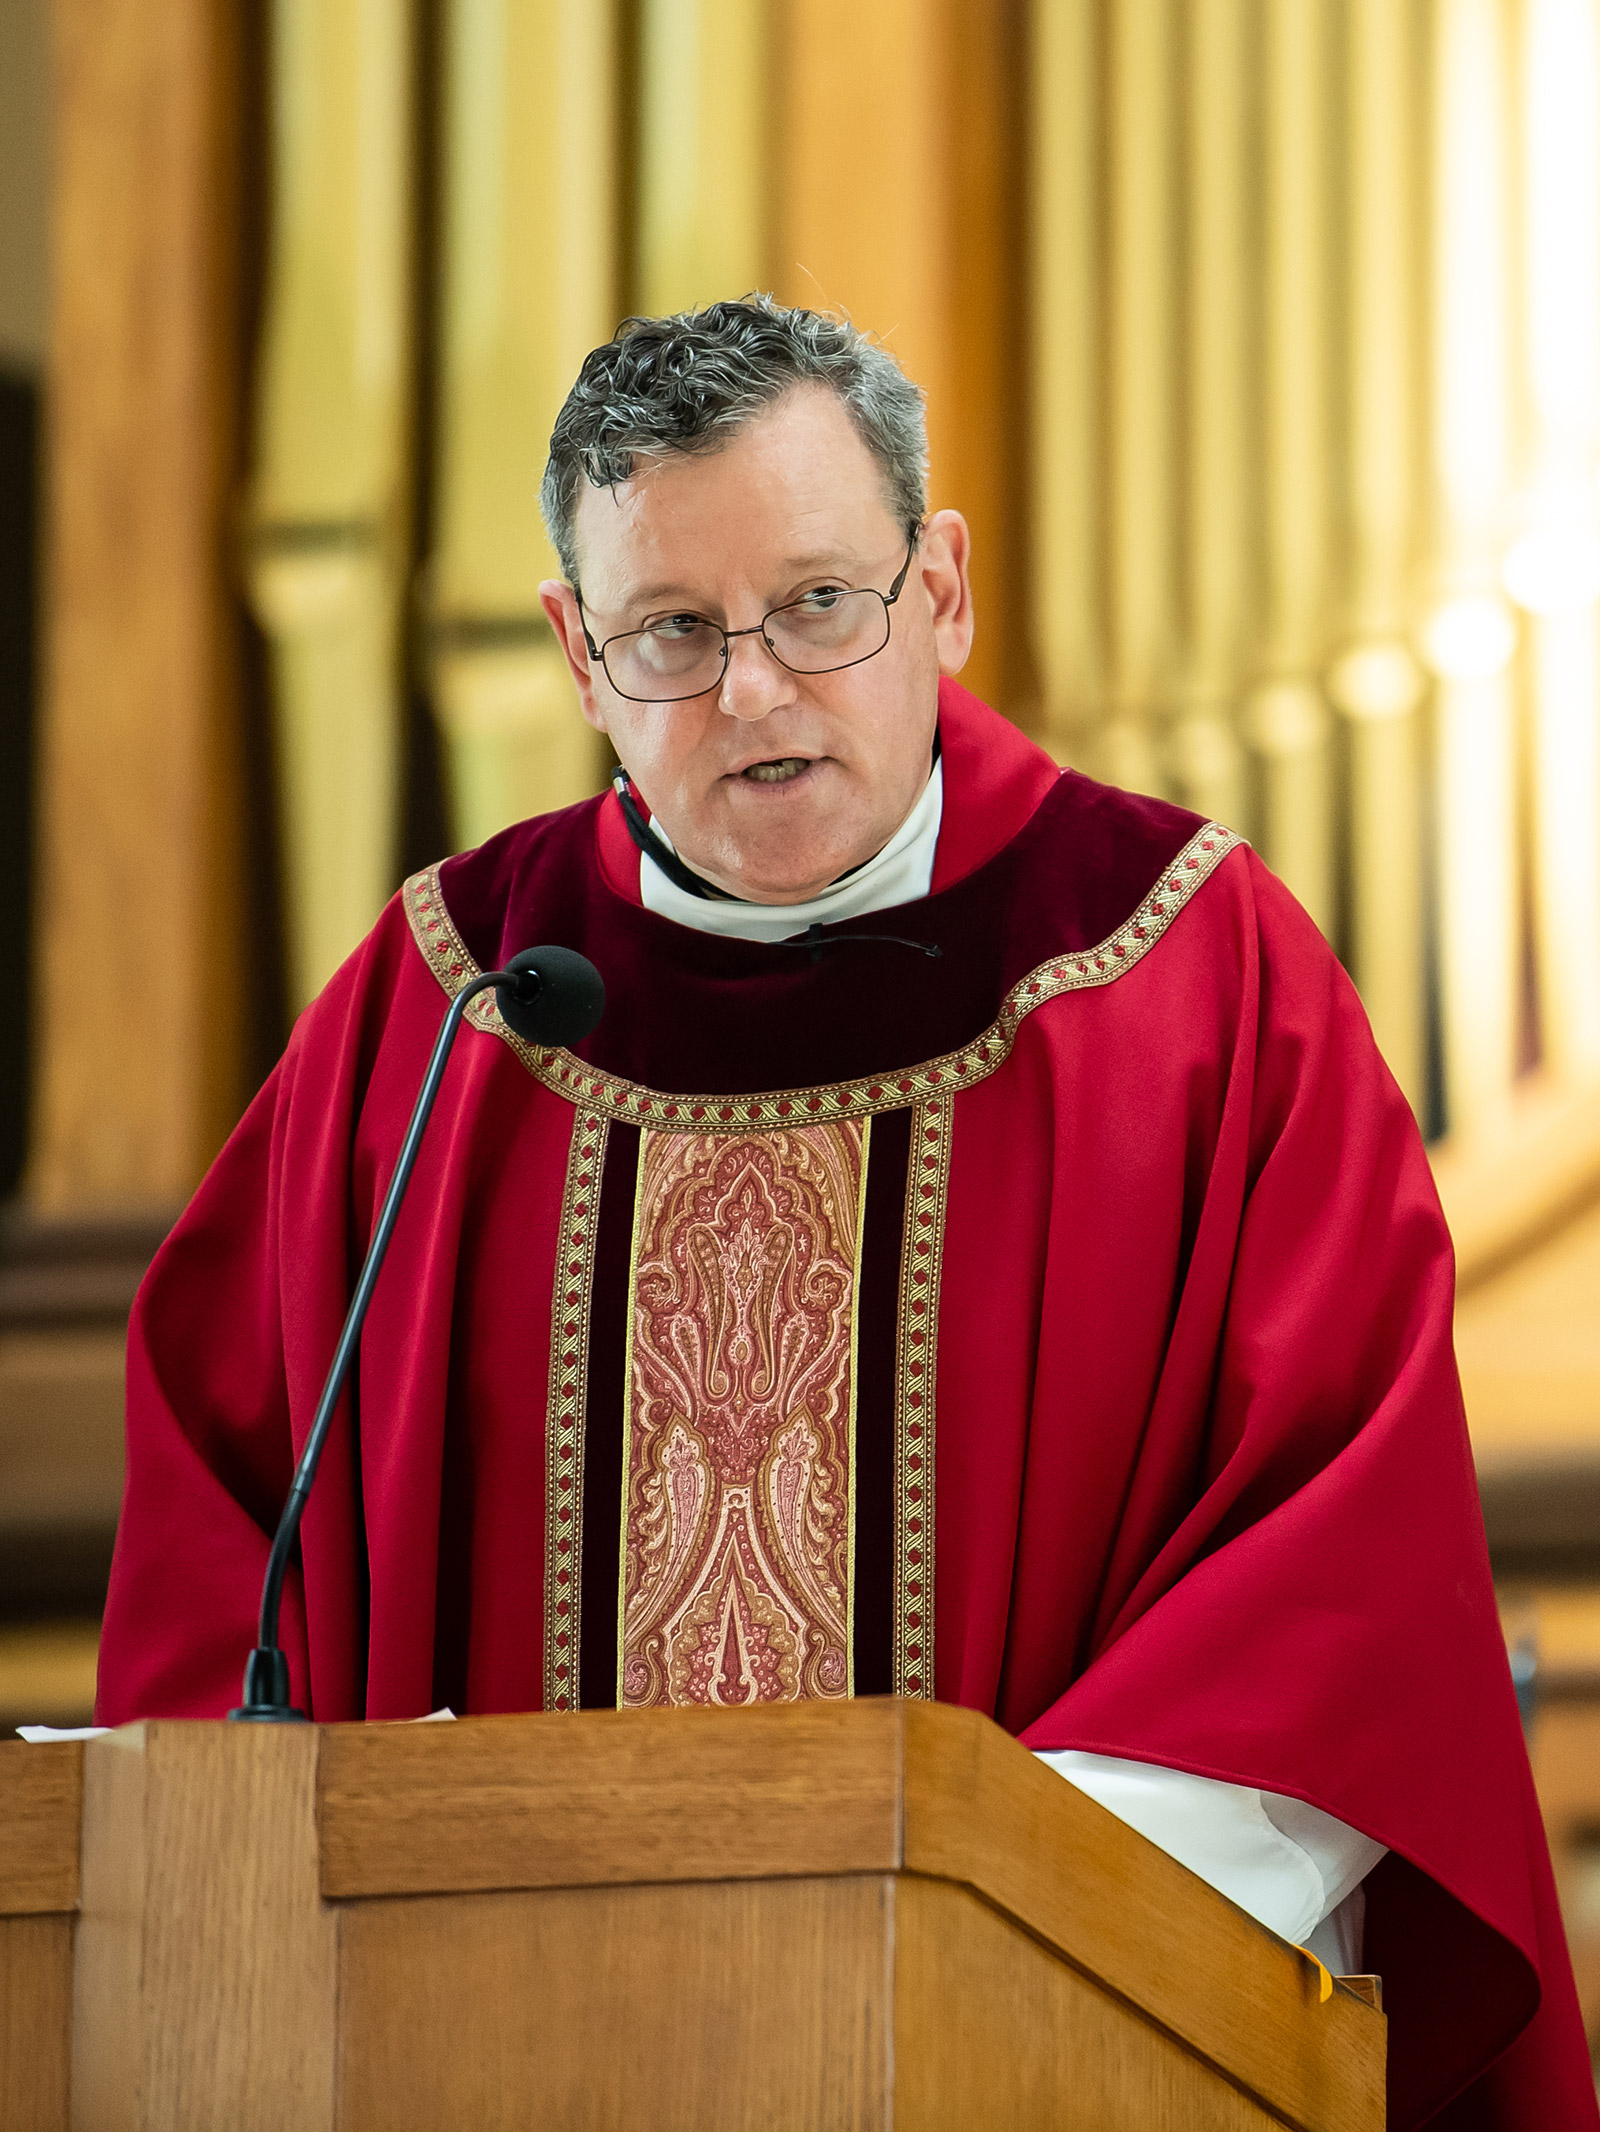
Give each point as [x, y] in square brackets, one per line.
[900, 873]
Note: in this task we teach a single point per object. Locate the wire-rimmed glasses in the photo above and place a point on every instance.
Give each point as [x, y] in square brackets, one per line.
[681, 656]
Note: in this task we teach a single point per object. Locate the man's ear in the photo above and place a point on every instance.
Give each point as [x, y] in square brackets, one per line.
[943, 560]
[560, 603]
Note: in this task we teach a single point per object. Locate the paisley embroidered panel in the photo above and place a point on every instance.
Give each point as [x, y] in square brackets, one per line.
[739, 1447]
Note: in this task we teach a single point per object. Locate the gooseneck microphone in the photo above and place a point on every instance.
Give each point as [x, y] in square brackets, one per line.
[548, 996]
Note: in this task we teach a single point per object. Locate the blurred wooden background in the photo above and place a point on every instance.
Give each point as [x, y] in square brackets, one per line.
[1262, 341]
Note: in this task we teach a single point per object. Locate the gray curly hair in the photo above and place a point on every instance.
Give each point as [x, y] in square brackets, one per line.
[686, 383]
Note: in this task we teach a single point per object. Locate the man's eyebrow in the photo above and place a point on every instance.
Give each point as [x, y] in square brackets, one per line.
[794, 565]
[649, 595]
[822, 558]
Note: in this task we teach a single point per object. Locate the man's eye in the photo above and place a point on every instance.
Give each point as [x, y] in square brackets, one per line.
[822, 600]
[673, 628]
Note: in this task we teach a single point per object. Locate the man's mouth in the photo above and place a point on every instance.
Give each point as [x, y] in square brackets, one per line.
[778, 772]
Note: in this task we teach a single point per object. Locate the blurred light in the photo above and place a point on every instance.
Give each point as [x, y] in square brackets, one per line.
[1469, 638]
[1564, 762]
[1287, 718]
[311, 589]
[1554, 567]
[1562, 135]
[1470, 185]
[1376, 681]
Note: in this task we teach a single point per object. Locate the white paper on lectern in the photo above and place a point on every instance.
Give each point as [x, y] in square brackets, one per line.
[37, 1733]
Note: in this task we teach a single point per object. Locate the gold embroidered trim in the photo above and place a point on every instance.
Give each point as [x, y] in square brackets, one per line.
[565, 1403]
[915, 1394]
[588, 1087]
[635, 1238]
[855, 1405]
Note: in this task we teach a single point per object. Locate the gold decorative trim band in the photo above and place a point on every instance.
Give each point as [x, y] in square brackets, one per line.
[915, 1394]
[565, 1404]
[609, 1094]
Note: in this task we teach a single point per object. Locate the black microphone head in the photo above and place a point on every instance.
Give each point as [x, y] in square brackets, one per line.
[558, 998]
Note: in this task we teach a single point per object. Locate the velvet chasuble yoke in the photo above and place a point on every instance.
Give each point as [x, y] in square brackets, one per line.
[1060, 1326]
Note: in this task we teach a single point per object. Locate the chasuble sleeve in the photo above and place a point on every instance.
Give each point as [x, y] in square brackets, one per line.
[229, 1338]
[1310, 1613]
[208, 1451]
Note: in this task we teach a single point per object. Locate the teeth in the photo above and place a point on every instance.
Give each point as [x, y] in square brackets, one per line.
[777, 773]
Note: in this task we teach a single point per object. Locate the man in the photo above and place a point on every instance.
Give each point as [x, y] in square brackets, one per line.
[978, 1253]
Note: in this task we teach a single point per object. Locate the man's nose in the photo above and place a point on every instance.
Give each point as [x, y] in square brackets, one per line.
[753, 683]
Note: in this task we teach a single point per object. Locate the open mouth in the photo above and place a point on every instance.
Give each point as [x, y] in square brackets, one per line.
[781, 771]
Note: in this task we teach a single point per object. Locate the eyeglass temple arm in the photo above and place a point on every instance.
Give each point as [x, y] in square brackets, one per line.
[593, 647]
[893, 592]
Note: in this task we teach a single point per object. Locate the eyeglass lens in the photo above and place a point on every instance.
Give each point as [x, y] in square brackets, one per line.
[683, 656]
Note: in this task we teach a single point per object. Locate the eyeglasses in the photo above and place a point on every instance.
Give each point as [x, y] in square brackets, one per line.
[684, 655]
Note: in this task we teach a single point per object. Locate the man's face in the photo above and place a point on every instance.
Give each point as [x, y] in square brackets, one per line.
[773, 783]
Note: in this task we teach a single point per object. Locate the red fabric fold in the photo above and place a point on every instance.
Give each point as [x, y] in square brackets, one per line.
[1278, 1578]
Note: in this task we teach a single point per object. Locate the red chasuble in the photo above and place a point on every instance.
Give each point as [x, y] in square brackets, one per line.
[1059, 1325]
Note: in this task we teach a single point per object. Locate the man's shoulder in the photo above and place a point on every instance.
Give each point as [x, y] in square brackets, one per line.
[1092, 858]
[1077, 844]
[1108, 828]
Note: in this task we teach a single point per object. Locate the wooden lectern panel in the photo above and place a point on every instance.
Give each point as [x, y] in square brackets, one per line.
[41, 1799]
[970, 1984]
[747, 2006]
[205, 1973]
[979, 1811]
[977, 1858]
[869, 1915]
[799, 1788]
[35, 2022]
[859, 1787]
[41, 1804]
[756, 2006]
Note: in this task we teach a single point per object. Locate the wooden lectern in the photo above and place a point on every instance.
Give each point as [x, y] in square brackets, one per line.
[861, 1915]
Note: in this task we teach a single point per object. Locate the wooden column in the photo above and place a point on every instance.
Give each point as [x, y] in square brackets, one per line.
[862, 191]
[979, 434]
[904, 209]
[1064, 376]
[1376, 682]
[1141, 306]
[1207, 759]
[332, 488]
[703, 161]
[138, 1071]
[1470, 636]
[527, 288]
[1554, 570]
[1289, 718]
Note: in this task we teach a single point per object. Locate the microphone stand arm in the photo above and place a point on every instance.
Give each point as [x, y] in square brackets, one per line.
[266, 1673]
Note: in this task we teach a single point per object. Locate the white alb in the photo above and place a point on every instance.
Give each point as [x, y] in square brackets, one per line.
[901, 873]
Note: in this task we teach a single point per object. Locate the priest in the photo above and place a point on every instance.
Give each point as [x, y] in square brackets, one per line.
[978, 1254]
